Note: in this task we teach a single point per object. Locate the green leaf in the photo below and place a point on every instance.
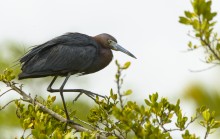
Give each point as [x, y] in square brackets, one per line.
[195, 24]
[195, 46]
[154, 97]
[30, 125]
[117, 76]
[114, 97]
[184, 20]
[126, 65]
[128, 92]
[53, 98]
[147, 102]
[188, 14]
[216, 124]
[218, 47]
[116, 62]
[211, 16]
[190, 44]
[206, 115]
[111, 92]
[202, 108]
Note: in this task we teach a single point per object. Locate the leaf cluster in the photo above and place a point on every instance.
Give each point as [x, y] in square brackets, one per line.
[40, 124]
[201, 19]
[7, 75]
[150, 120]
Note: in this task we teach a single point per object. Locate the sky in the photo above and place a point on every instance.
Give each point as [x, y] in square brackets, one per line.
[147, 28]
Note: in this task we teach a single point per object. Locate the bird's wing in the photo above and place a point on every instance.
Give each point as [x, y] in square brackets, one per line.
[70, 53]
[76, 39]
[62, 58]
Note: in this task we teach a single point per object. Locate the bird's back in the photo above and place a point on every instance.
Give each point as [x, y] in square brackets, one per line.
[72, 52]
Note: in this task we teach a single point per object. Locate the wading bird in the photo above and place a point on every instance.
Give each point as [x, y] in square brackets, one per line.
[71, 53]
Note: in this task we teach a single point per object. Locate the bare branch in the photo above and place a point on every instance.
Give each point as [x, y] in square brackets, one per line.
[203, 69]
[206, 134]
[1, 108]
[5, 92]
[118, 82]
[85, 123]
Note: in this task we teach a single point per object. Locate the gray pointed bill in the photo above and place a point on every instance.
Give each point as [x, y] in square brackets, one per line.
[117, 47]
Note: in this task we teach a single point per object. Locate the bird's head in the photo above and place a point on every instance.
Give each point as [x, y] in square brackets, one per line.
[108, 41]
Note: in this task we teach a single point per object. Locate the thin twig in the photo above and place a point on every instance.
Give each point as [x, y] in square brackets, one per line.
[161, 124]
[210, 48]
[7, 104]
[207, 43]
[85, 123]
[206, 134]
[23, 133]
[5, 92]
[175, 129]
[203, 69]
[119, 87]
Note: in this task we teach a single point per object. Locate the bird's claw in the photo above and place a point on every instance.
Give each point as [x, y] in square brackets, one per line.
[70, 122]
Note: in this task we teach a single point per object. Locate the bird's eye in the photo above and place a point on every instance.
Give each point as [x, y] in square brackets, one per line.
[109, 41]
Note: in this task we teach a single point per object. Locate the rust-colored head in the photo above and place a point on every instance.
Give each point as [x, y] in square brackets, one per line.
[108, 41]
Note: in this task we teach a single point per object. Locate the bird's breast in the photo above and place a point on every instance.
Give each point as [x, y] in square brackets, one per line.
[103, 58]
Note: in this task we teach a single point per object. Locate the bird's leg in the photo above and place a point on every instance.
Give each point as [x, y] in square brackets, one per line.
[61, 90]
[49, 88]
[88, 93]
[61, 94]
[81, 91]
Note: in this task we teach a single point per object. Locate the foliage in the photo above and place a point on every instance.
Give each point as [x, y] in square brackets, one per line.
[42, 125]
[201, 19]
[112, 117]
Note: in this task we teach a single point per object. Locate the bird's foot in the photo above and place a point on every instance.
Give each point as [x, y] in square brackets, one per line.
[70, 122]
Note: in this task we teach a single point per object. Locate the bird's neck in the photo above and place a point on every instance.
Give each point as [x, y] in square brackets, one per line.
[100, 41]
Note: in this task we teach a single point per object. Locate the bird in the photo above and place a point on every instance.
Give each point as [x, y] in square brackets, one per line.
[69, 54]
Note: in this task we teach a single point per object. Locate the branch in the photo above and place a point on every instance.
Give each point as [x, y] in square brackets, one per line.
[206, 134]
[86, 123]
[210, 48]
[1, 108]
[203, 69]
[205, 42]
[29, 99]
[190, 122]
[175, 129]
[5, 92]
[118, 82]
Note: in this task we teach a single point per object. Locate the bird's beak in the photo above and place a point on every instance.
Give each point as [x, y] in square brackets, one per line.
[117, 47]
